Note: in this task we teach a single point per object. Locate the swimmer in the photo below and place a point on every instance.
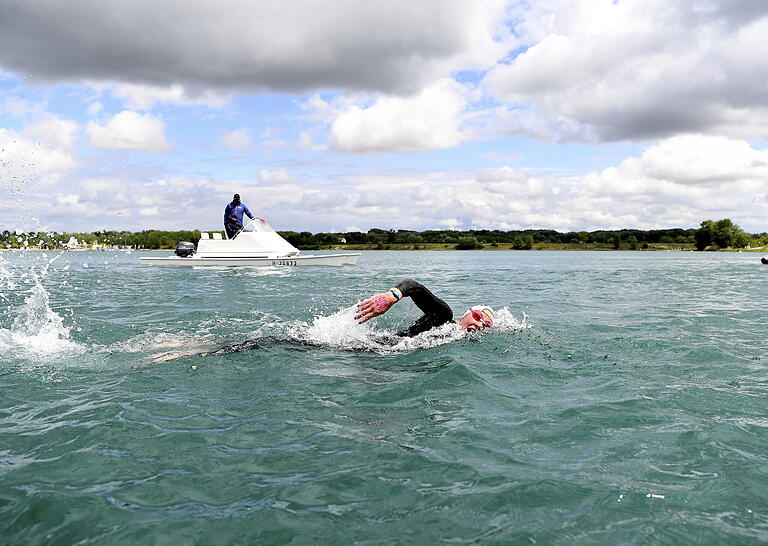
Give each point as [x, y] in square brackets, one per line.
[224, 347]
[436, 311]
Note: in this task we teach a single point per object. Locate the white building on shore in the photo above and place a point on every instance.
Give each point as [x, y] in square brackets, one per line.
[74, 244]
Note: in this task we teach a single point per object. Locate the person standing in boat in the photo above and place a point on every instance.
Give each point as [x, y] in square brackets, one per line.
[233, 216]
[436, 311]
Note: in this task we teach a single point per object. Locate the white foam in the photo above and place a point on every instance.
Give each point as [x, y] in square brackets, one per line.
[6, 279]
[163, 347]
[505, 321]
[154, 341]
[37, 329]
[341, 330]
[337, 330]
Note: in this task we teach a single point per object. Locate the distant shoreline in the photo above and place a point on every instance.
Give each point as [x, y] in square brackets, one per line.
[722, 234]
[442, 247]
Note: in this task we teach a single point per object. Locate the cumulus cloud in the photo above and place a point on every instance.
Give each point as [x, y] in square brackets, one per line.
[276, 176]
[144, 97]
[131, 131]
[94, 108]
[19, 107]
[55, 132]
[26, 160]
[28, 165]
[676, 183]
[244, 45]
[688, 178]
[427, 121]
[149, 211]
[160, 203]
[239, 139]
[105, 188]
[503, 157]
[639, 70]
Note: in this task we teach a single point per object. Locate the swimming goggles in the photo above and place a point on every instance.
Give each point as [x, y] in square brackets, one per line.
[481, 317]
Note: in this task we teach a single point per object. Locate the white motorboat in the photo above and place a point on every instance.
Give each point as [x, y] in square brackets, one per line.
[257, 244]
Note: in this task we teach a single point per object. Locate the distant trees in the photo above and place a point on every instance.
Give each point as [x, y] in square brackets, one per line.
[468, 243]
[155, 238]
[721, 234]
[408, 237]
[524, 242]
[712, 234]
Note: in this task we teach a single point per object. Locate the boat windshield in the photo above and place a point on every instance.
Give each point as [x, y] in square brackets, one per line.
[258, 225]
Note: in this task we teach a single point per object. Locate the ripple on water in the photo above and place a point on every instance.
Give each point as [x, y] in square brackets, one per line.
[626, 409]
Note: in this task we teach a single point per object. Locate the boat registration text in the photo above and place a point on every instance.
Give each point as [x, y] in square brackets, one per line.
[283, 262]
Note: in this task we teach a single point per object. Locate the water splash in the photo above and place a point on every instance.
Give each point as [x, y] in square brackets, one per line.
[338, 330]
[37, 330]
[6, 280]
[505, 321]
[341, 330]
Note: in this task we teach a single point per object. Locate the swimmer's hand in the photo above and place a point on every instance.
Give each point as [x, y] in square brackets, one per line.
[375, 306]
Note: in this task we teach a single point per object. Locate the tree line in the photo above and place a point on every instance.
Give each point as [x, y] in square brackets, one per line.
[725, 234]
[711, 235]
[147, 239]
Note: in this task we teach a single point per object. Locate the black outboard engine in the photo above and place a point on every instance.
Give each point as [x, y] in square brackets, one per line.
[185, 249]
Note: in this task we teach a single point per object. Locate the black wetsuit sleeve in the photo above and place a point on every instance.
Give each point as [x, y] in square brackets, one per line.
[436, 311]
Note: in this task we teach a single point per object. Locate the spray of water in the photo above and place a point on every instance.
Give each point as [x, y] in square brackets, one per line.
[338, 330]
[37, 330]
[7, 282]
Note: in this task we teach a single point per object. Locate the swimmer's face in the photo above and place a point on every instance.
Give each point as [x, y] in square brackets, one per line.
[474, 320]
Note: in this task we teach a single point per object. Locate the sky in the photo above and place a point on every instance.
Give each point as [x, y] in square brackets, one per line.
[344, 115]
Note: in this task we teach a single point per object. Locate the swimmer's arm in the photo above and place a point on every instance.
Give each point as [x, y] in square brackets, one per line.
[377, 304]
[407, 288]
[423, 298]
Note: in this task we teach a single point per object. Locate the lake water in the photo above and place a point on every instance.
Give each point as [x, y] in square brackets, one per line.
[621, 399]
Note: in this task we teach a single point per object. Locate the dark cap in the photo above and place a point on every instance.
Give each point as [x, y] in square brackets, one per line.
[236, 196]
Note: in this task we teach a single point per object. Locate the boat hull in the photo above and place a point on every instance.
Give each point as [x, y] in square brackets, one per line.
[292, 261]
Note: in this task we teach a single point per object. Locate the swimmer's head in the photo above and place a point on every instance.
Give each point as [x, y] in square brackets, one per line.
[477, 317]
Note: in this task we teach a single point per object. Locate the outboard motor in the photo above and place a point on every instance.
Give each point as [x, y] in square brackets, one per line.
[184, 249]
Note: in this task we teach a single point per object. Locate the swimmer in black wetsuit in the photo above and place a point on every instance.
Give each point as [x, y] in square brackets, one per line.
[436, 311]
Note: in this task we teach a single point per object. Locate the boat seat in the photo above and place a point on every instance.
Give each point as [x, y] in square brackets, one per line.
[217, 236]
[204, 235]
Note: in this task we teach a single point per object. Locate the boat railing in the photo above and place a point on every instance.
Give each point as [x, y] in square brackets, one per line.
[258, 225]
[253, 225]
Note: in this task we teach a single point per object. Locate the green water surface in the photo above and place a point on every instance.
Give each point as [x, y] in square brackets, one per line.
[621, 401]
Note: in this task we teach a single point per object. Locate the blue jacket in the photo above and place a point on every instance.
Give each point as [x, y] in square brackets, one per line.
[236, 210]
